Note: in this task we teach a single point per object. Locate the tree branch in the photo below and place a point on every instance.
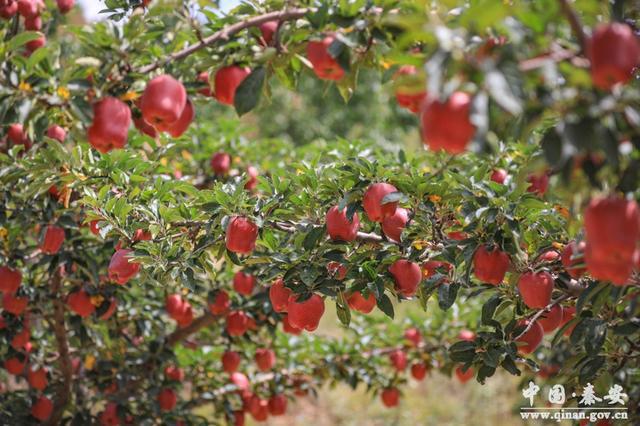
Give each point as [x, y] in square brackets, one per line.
[538, 314]
[224, 34]
[182, 333]
[63, 396]
[574, 21]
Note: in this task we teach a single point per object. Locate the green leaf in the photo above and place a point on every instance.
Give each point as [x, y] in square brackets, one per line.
[385, 305]
[489, 308]
[447, 294]
[21, 39]
[248, 93]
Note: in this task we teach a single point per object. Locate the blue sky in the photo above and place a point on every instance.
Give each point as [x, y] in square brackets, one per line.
[92, 7]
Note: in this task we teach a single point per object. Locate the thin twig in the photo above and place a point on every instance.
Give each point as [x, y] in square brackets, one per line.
[574, 21]
[538, 314]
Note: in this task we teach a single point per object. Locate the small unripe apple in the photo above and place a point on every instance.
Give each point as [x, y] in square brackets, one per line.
[413, 335]
[111, 121]
[230, 361]
[251, 184]
[237, 323]
[53, 239]
[37, 378]
[265, 359]
[535, 289]
[243, 283]
[305, 314]
[220, 163]
[358, 302]
[278, 405]
[393, 225]
[80, 303]
[390, 397]
[10, 279]
[324, 65]
[339, 227]
[64, 6]
[398, 359]
[419, 371]
[538, 183]
[531, 338]
[613, 50]
[407, 276]
[15, 365]
[227, 80]
[174, 373]
[14, 304]
[490, 266]
[499, 176]
[372, 201]
[464, 376]
[56, 132]
[288, 328]
[572, 256]
[163, 101]
[241, 235]
[167, 399]
[42, 409]
[268, 29]
[177, 128]
[220, 303]
[446, 125]
[121, 268]
[410, 93]
[551, 320]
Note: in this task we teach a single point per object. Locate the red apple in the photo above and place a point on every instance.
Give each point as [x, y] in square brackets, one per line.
[13, 304]
[20, 340]
[413, 335]
[144, 127]
[393, 225]
[163, 102]
[305, 314]
[80, 302]
[265, 359]
[613, 50]
[121, 268]
[10, 279]
[372, 201]
[56, 132]
[28, 8]
[64, 6]
[339, 227]
[227, 80]
[278, 405]
[230, 361]
[241, 235]
[167, 399]
[268, 29]
[407, 276]
[531, 338]
[535, 289]
[33, 23]
[549, 256]
[324, 65]
[538, 183]
[243, 283]
[109, 417]
[240, 381]
[419, 371]
[9, 10]
[410, 93]
[568, 313]
[288, 328]
[398, 359]
[252, 172]
[490, 265]
[15, 365]
[259, 408]
[279, 295]
[337, 270]
[220, 303]
[464, 376]
[467, 335]
[36, 44]
[142, 235]
[390, 397]
[220, 163]
[177, 128]
[37, 378]
[551, 320]
[42, 408]
[446, 125]
[53, 239]
[203, 77]
[358, 302]
[499, 176]
[111, 121]
[572, 256]
[17, 135]
[237, 323]
[174, 373]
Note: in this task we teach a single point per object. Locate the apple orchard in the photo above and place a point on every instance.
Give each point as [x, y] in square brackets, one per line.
[154, 260]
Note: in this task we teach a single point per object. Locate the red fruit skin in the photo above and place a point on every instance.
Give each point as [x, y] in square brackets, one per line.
[237, 323]
[409, 99]
[390, 397]
[10, 279]
[240, 381]
[288, 328]
[337, 270]
[490, 266]
[64, 6]
[42, 409]
[535, 289]
[339, 227]
[419, 371]
[111, 121]
[36, 44]
[393, 225]
[241, 235]
[407, 276]
[551, 320]
[56, 132]
[113, 305]
[220, 163]
[53, 239]
[359, 303]
[413, 335]
[265, 359]
[572, 255]
[80, 303]
[186, 317]
[267, 30]
[499, 176]
[612, 231]
[38, 378]
[121, 269]
[538, 183]
[33, 23]
[174, 305]
[203, 77]
[177, 128]
[259, 408]
[324, 65]
[446, 125]
[174, 373]
[467, 335]
[531, 338]
[252, 172]
[9, 11]
[613, 51]
[14, 365]
[549, 256]
[398, 359]
[464, 376]
[278, 405]
[238, 418]
[13, 304]
[568, 313]
[243, 283]
[372, 201]
[145, 128]
[28, 8]
[305, 315]
[93, 227]
[142, 235]
[167, 399]
[227, 80]
[163, 102]
[21, 340]
[109, 417]
[220, 303]
[230, 361]
[17, 135]
[431, 267]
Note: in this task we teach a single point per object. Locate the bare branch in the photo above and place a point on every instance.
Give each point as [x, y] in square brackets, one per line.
[574, 21]
[541, 312]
